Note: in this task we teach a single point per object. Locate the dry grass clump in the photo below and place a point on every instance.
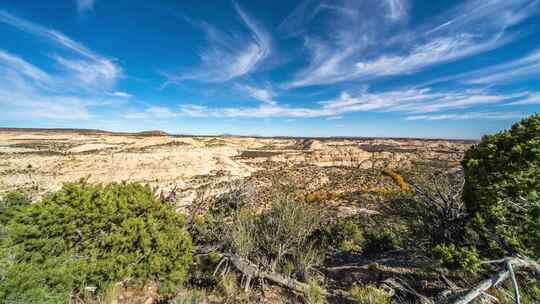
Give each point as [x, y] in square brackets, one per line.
[314, 293]
[370, 294]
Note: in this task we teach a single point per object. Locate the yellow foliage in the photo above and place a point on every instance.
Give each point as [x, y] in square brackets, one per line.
[198, 219]
[399, 180]
[320, 196]
[383, 190]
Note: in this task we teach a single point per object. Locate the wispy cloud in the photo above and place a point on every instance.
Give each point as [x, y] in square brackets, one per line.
[526, 67]
[161, 112]
[265, 95]
[397, 9]
[120, 94]
[90, 74]
[151, 112]
[532, 99]
[407, 102]
[90, 70]
[468, 116]
[10, 61]
[85, 5]
[229, 55]
[363, 46]
[67, 92]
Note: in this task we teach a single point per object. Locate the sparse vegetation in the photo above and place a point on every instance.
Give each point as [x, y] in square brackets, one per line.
[310, 234]
[434, 213]
[278, 237]
[258, 154]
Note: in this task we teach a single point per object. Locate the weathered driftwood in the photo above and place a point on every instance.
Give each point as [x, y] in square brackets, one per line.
[517, 263]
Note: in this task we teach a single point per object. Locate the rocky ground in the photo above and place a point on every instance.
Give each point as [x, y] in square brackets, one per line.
[41, 160]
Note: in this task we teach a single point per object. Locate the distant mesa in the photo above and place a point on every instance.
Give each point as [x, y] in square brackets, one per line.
[86, 131]
[153, 133]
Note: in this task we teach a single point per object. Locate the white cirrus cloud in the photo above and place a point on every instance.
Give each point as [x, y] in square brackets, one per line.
[68, 90]
[120, 94]
[151, 112]
[10, 61]
[468, 116]
[405, 101]
[228, 55]
[85, 5]
[532, 99]
[515, 70]
[265, 95]
[365, 45]
[87, 69]
[397, 9]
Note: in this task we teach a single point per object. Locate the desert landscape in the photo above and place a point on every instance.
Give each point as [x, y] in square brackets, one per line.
[42, 160]
[311, 220]
[270, 152]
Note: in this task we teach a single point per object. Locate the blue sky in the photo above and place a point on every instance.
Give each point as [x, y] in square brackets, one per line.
[451, 69]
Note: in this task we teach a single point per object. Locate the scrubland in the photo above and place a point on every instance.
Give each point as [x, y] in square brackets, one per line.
[99, 217]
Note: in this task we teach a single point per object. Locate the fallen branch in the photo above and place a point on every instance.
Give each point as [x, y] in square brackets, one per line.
[253, 272]
[517, 263]
[508, 265]
[483, 287]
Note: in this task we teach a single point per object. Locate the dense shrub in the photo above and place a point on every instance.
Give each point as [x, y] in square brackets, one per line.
[10, 204]
[382, 233]
[362, 233]
[207, 228]
[502, 188]
[454, 257]
[345, 236]
[94, 235]
[383, 239]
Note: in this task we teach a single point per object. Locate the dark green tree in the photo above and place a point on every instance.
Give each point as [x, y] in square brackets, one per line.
[502, 189]
[94, 235]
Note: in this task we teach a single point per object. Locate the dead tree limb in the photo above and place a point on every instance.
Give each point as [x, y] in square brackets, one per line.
[252, 271]
[508, 265]
[483, 287]
[517, 263]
